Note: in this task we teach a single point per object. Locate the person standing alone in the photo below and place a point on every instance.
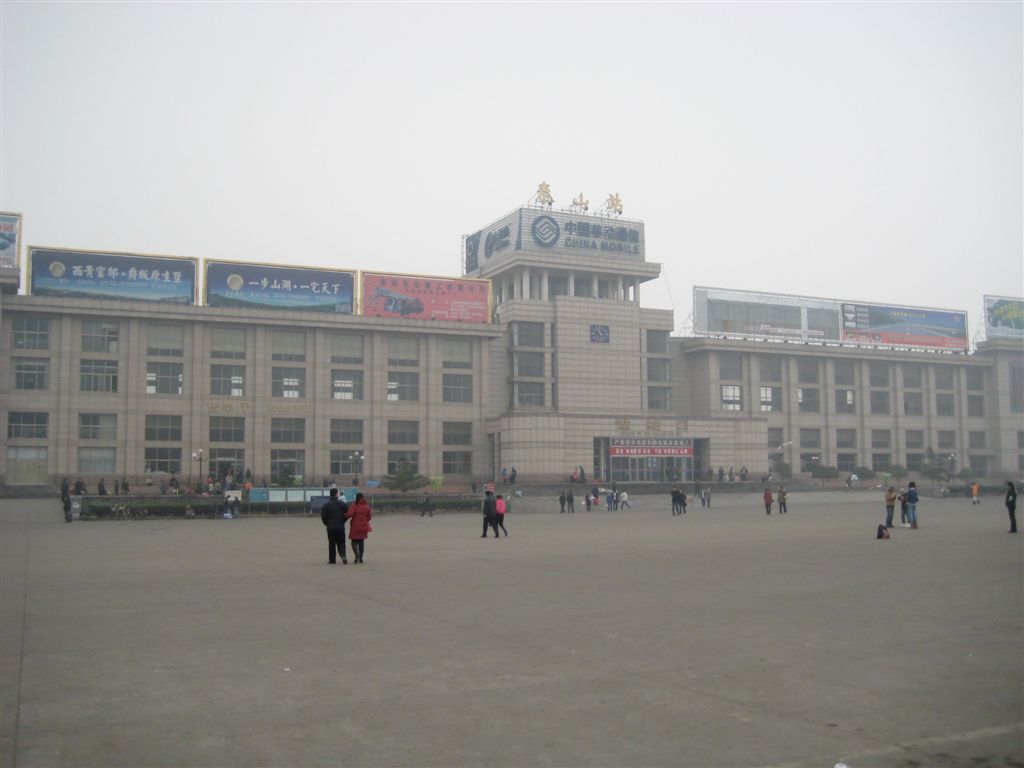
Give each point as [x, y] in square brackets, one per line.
[768, 501]
[332, 515]
[1011, 505]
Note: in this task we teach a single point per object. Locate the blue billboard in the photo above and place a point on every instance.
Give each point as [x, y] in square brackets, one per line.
[10, 239]
[102, 275]
[232, 284]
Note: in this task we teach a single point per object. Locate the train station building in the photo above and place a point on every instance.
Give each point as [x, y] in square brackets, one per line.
[539, 356]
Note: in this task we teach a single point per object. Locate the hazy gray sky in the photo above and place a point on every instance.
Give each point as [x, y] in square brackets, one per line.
[864, 151]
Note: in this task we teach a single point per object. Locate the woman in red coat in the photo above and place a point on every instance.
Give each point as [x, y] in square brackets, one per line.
[768, 501]
[359, 513]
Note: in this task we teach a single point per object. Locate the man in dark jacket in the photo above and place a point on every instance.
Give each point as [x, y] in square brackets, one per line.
[332, 514]
[490, 510]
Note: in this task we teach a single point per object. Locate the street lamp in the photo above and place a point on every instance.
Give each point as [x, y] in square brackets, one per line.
[197, 455]
[356, 460]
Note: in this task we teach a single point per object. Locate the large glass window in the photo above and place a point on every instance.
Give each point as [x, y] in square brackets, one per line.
[944, 404]
[457, 388]
[529, 392]
[289, 383]
[975, 406]
[881, 438]
[771, 399]
[808, 400]
[31, 332]
[227, 343]
[730, 366]
[846, 462]
[457, 462]
[880, 462]
[347, 431]
[807, 370]
[97, 426]
[878, 374]
[288, 346]
[95, 461]
[913, 403]
[846, 438]
[163, 428]
[346, 461]
[912, 376]
[287, 462]
[528, 363]
[98, 375]
[403, 385]
[100, 336]
[227, 380]
[975, 379]
[284, 430]
[659, 369]
[946, 439]
[27, 424]
[165, 340]
[167, 460]
[526, 334]
[846, 401]
[657, 342]
[456, 353]
[810, 438]
[915, 462]
[732, 397]
[880, 401]
[943, 377]
[403, 350]
[844, 372]
[457, 433]
[347, 348]
[403, 432]
[31, 373]
[225, 460]
[346, 384]
[227, 429]
[164, 378]
[771, 368]
[397, 459]
[976, 440]
[1017, 389]
[659, 398]
[775, 438]
[914, 438]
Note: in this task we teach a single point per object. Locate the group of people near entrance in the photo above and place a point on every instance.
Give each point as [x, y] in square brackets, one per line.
[614, 500]
[334, 514]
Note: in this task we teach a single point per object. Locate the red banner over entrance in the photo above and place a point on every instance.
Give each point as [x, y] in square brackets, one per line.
[650, 446]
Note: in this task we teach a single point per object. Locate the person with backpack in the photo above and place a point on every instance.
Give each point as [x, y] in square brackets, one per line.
[500, 508]
[490, 510]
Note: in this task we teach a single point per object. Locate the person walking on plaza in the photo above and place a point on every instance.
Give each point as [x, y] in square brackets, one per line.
[561, 503]
[676, 506]
[1011, 505]
[975, 493]
[332, 515]
[707, 497]
[428, 506]
[682, 500]
[609, 499]
[890, 505]
[570, 501]
[912, 504]
[360, 513]
[902, 499]
[783, 498]
[490, 510]
[768, 501]
[624, 500]
[500, 508]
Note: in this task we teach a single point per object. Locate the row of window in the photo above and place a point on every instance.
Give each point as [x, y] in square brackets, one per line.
[230, 380]
[231, 429]
[103, 336]
[880, 401]
[532, 393]
[103, 461]
[882, 438]
[882, 462]
[525, 333]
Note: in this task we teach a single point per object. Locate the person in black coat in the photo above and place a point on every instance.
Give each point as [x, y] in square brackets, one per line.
[490, 510]
[1011, 505]
[332, 515]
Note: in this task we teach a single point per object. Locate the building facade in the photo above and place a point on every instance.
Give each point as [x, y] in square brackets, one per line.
[571, 373]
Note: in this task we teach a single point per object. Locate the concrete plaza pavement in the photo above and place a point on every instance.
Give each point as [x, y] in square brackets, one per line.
[632, 638]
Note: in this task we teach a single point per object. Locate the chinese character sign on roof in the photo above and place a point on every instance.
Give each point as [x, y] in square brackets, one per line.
[426, 298]
[97, 275]
[233, 284]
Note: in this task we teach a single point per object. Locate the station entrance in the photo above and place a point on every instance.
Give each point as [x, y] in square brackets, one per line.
[644, 459]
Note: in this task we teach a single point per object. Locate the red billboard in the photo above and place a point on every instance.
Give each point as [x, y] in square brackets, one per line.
[418, 297]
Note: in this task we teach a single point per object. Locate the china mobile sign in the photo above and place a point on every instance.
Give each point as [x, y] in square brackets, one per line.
[646, 447]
